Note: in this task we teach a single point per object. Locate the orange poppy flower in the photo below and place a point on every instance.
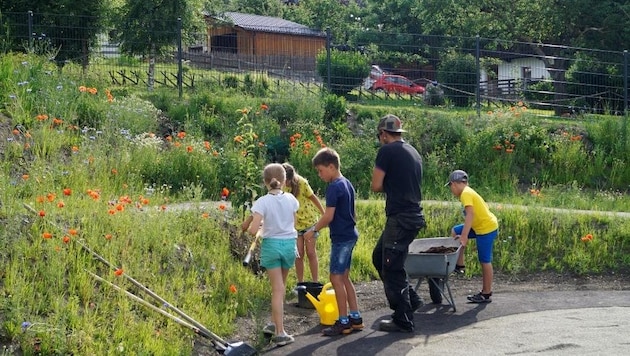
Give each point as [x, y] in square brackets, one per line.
[42, 213]
[233, 289]
[264, 107]
[189, 148]
[181, 135]
[72, 232]
[205, 215]
[119, 271]
[25, 176]
[221, 207]
[67, 191]
[61, 204]
[206, 145]
[16, 132]
[111, 211]
[47, 235]
[66, 239]
[40, 199]
[51, 197]
[108, 237]
[225, 192]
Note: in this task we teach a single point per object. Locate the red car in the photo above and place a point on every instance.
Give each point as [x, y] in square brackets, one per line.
[397, 84]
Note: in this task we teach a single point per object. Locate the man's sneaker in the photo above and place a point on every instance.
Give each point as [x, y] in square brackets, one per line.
[460, 269]
[356, 323]
[337, 329]
[282, 340]
[269, 329]
[391, 326]
[480, 298]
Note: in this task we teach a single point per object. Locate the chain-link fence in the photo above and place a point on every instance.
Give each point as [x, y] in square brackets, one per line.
[441, 70]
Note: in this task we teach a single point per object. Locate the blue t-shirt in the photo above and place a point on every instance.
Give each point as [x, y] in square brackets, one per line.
[340, 195]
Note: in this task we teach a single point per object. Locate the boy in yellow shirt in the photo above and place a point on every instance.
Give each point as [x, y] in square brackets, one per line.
[479, 223]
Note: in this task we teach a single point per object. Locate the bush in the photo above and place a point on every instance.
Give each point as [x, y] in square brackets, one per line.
[458, 72]
[347, 70]
[334, 108]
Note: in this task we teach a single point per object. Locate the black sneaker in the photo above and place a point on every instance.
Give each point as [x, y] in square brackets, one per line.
[337, 329]
[391, 326]
[356, 323]
[480, 298]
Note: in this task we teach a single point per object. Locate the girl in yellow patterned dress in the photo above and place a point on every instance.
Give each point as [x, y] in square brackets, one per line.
[307, 216]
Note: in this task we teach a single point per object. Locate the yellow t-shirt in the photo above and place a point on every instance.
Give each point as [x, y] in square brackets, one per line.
[307, 214]
[484, 221]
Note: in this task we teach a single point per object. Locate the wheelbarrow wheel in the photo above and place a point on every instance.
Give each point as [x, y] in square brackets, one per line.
[434, 290]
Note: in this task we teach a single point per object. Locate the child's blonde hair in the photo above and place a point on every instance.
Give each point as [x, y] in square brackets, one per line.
[274, 175]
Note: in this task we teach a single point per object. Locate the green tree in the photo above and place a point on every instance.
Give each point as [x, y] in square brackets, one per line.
[68, 27]
[601, 24]
[151, 29]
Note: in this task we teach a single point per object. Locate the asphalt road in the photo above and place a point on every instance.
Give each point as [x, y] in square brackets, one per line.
[523, 323]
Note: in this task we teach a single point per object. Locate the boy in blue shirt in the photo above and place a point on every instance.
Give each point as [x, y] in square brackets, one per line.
[339, 216]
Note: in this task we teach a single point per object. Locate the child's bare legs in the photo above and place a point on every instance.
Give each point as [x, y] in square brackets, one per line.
[460, 258]
[487, 273]
[299, 261]
[278, 277]
[341, 294]
[313, 264]
[311, 253]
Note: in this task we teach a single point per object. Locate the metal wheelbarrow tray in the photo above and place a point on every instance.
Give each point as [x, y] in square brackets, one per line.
[435, 267]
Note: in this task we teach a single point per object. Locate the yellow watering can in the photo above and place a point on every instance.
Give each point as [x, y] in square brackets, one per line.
[325, 304]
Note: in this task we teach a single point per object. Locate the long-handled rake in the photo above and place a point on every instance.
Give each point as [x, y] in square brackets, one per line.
[239, 348]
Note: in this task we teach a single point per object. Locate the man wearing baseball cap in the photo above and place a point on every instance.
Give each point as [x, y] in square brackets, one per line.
[397, 173]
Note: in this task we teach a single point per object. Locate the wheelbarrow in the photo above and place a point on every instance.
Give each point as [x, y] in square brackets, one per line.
[433, 259]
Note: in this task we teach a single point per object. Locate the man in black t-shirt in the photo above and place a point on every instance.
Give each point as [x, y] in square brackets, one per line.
[397, 173]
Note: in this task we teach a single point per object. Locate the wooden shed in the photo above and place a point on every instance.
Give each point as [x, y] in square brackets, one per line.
[248, 34]
[274, 41]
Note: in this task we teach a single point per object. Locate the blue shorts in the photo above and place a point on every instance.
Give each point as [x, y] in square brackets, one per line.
[484, 242]
[341, 256]
[277, 253]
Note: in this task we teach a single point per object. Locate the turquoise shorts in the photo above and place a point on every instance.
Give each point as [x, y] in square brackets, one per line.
[278, 253]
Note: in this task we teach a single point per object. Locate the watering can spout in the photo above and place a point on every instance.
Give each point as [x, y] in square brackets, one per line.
[325, 304]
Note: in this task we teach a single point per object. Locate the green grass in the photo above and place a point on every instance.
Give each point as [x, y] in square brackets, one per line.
[116, 185]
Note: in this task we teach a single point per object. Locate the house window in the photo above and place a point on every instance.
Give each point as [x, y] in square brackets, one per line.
[526, 73]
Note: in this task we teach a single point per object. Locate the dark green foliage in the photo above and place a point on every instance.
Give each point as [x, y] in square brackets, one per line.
[596, 84]
[347, 70]
[334, 108]
[458, 73]
[538, 92]
[230, 81]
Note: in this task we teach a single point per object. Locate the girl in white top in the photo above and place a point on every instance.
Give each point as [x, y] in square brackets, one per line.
[277, 211]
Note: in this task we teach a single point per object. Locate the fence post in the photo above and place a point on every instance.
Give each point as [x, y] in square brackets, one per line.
[30, 31]
[328, 57]
[179, 57]
[625, 101]
[478, 86]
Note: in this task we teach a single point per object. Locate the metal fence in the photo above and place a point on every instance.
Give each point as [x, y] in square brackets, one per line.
[473, 71]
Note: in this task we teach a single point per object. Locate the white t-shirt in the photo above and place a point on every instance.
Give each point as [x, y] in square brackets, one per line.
[278, 215]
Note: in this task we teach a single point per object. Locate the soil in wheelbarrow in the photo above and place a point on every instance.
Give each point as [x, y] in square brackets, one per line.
[442, 250]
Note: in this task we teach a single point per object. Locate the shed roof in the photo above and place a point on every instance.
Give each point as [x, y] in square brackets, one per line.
[260, 23]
